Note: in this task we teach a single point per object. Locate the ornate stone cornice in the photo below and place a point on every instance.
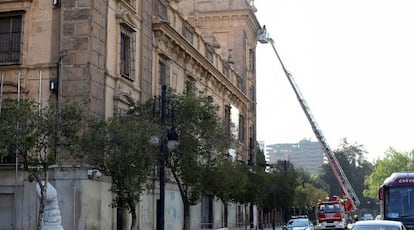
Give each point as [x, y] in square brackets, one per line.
[165, 33]
[124, 16]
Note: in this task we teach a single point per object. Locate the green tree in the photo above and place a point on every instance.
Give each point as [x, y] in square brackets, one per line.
[203, 143]
[256, 187]
[234, 181]
[313, 180]
[252, 193]
[260, 158]
[352, 159]
[227, 181]
[393, 161]
[39, 137]
[119, 147]
[308, 192]
[280, 186]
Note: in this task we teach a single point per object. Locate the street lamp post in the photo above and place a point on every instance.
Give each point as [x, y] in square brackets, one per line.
[161, 212]
[168, 143]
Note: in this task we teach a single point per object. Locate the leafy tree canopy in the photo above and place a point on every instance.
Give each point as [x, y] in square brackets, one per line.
[39, 135]
[351, 157]
[280, 186]
[393, 161]
[260, 158]
[307, 196]
[203, 143]
[227, 181]
[120, 148]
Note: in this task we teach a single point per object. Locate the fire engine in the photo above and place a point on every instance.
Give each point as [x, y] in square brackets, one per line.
[350, 200]
[331, 213]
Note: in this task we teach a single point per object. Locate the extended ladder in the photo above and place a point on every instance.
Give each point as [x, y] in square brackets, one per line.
[343, 181]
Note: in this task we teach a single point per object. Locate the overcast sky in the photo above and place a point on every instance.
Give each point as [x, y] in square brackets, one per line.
[353, 61]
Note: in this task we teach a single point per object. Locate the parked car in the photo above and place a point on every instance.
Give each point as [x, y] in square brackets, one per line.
[378, 225]
[367, 216]
[299, 223]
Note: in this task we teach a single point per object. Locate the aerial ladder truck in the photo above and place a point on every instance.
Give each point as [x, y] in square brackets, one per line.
[350, 199]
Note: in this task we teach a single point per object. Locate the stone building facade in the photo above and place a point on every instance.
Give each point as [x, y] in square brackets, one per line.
[98, 51]
[231, 28]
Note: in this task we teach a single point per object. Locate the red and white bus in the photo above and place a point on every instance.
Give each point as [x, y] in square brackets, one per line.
[396, 197]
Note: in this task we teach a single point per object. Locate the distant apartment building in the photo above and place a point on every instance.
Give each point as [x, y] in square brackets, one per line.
[305, 154]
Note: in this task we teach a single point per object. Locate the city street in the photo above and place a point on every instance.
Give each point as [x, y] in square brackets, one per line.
[268, 228]
[277, 228]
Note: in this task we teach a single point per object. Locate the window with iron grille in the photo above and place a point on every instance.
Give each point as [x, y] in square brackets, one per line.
[10, 38]
[253, 98]
[226, 71]
[253, 93]
[242, 128]
[162, 9]
[163, 73]
[9, 158]
[207, 212]
[7, 205]
[7, 111]
[252, 60]
[188, 32]
[209, 54]
[239, 82]
[227, 119]
[127, 53]
[190, 88]
[131, 2]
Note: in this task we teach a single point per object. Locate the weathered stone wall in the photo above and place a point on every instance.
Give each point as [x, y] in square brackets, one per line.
[83, 36]
[147, 50]
[84, 203]
[234, 25]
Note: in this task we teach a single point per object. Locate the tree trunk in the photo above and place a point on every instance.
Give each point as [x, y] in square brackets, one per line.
[260, 211]
[273, 219]
[246, 217]
[226, 213]
[133, 216]
[186, 216]
[43, 188]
